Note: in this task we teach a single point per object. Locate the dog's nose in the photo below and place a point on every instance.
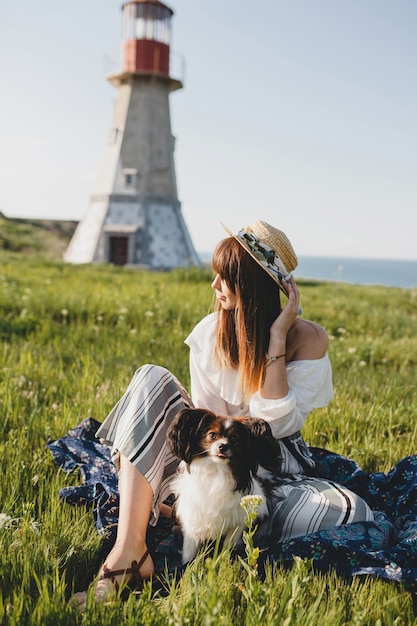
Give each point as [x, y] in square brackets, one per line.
[223, 448]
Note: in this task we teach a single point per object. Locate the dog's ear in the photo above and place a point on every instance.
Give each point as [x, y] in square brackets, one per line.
[182, 434]
[265, 447]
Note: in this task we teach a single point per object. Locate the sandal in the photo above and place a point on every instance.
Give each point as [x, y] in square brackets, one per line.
[135, 583]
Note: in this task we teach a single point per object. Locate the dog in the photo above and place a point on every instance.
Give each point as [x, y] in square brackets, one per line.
[219, 460]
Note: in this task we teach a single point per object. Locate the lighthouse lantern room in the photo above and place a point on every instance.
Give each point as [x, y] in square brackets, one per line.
[146, 37]
[134, 216]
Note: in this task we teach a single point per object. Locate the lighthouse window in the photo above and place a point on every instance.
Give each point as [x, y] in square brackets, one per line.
[144, 28]
[149, 29]
[161, 30]
[129, 21]
[129, 177]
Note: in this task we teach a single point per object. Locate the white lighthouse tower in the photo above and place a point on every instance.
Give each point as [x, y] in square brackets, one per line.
[134, 216]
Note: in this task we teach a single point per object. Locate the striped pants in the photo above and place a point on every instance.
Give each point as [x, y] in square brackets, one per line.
[137, 426]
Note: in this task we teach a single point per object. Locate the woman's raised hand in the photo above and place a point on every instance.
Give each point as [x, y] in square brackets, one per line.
[288, 315]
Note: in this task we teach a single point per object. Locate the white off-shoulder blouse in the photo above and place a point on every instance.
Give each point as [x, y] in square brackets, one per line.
[309, 381]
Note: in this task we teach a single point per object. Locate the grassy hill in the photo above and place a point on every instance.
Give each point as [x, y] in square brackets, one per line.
[48, 238]
[71, 338]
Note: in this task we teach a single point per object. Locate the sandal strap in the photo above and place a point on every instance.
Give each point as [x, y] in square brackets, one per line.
[134, 570]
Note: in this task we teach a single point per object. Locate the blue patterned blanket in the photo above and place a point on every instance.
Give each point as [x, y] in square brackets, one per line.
[386, 547]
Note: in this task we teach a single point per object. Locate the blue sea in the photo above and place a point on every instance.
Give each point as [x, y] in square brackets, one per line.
[390, 273]
[397, 273]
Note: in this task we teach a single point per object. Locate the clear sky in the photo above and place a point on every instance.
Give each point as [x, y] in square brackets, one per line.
[298, 112]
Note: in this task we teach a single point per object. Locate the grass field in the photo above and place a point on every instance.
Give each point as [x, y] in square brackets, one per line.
[71, 339]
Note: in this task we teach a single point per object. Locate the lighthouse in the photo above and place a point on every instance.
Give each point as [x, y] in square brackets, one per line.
[134, 216]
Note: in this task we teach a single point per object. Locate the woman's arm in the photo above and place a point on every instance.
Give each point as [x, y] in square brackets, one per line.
[299, 379]
[275, 384]
[291, 339]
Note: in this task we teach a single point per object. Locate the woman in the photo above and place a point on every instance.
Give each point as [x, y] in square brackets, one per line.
[249, 357]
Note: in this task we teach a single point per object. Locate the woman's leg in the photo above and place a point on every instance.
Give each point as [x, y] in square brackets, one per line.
[301, 507]
[135, 503]
[136, 498]
[136, 428]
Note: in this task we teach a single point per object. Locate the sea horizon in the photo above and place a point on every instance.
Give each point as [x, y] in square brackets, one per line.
[360, 271]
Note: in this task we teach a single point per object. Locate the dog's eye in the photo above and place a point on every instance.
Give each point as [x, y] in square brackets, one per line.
[212, 435]
[233, 440]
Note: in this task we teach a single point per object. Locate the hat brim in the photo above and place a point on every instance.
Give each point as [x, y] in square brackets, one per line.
[270, 272]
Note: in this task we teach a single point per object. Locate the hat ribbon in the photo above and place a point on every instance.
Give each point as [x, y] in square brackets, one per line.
[264, 254]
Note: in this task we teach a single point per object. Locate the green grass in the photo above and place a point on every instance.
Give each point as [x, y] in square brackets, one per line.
[71, 340]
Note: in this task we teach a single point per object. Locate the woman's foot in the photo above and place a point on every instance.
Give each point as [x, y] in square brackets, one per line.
[114, 575]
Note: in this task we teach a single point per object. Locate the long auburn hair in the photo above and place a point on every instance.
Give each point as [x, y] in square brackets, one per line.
[242, 334]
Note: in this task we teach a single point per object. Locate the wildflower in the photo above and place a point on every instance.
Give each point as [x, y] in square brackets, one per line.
[4, 520]
[251, 502]
[64, 312]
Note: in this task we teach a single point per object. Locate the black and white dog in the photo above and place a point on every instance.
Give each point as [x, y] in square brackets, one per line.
[219, 460]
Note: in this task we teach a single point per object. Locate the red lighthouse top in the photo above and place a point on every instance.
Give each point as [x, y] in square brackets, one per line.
[146, 37]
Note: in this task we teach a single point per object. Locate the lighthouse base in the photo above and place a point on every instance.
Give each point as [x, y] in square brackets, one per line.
[147, 232]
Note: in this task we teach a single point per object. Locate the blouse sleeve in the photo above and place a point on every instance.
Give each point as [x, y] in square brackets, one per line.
[310, 387]
[205, 391]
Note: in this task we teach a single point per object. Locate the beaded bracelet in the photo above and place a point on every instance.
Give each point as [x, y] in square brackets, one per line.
[271, 359]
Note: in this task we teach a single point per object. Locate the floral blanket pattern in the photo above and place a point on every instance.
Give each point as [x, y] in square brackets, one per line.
[385, 548]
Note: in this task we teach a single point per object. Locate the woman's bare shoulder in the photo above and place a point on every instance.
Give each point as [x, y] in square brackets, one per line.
[308, 341]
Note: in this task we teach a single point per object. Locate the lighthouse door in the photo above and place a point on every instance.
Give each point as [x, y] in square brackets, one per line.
[118, 250]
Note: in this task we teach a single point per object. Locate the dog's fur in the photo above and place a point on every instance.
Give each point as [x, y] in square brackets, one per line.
[219, 460]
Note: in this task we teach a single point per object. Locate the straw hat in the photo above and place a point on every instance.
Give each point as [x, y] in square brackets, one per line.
[270, 248]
